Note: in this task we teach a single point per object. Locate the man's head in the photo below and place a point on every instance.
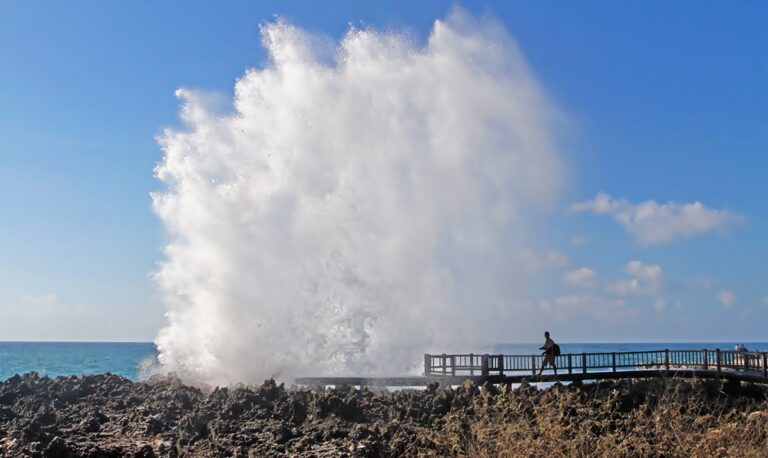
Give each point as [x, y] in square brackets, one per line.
[546, 334]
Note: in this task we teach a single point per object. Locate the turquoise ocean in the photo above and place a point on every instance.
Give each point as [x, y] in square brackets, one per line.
[135, 359]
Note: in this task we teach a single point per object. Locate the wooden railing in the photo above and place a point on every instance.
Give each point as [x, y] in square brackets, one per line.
[489, 364]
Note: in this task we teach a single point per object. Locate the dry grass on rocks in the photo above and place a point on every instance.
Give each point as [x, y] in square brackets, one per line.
[645, 418]
[104, 415]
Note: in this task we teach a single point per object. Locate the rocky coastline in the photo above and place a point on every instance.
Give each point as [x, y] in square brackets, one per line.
[110, 416]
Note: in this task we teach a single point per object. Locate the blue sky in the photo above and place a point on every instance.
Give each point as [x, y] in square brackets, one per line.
[663, 101]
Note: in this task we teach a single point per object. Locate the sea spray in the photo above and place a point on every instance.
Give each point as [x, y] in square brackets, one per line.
[359, 206]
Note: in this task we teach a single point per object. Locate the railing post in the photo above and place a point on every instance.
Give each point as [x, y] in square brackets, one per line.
[501, 364]
[570, 364]
[445, 363]
[426, 365]
[765, 365]
[613, 361]
[453, 365]
[484, 365]
[717, 358]
[533, 364]
[583, 363]
[471, 364]
[706, 363]
[666, 359]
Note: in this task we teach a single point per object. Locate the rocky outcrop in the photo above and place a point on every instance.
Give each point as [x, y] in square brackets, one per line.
[107, 415]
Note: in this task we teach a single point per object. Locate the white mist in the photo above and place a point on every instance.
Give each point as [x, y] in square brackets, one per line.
[359, 207]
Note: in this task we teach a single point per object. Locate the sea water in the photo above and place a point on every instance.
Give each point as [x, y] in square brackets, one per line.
[132, 359]
[76, 358]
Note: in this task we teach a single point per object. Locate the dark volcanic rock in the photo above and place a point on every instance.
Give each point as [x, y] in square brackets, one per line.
[106, 415]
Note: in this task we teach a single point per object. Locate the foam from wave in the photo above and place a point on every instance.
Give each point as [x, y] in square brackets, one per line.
[357, 208]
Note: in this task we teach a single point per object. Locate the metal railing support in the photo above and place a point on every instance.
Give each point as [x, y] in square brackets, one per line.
[765, 365]
[501, 364]
[613, 361]
[484, 365]
[718, 359]
[583, 363]
[444, 363]
[570, 364]
[666, 359]
[533, 364]
[706, 363]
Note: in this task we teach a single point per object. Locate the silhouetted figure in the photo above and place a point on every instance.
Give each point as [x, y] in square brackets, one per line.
[551, 349]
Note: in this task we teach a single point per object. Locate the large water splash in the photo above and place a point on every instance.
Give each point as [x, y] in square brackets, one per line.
[358, 207]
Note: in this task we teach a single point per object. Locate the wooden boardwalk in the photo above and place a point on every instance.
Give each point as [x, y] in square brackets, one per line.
[453, 369]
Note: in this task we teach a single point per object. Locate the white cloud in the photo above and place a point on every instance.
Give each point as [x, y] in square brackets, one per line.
[45, 316]
[652, 223]
[577, 240]
[580, 304]
[647, 272]
[727, 298]
[49, 306]
[532, 261]
[583, 277]
[571, 300]
[42, 300]
[700, 283]
[588, 300]
[624, 287]
[49, 315]
[647, 280]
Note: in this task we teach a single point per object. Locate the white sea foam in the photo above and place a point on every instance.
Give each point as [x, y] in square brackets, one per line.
[147, 367]
[357, 208]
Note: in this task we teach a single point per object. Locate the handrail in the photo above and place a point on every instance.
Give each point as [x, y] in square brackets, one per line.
[498, 364]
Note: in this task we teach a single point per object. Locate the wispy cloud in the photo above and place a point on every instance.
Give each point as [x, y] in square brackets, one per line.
[583, 277]
[597, 306]
[49, 306]
[646, 280]
[533, 261]
[727, 298]
[653, 223]
[577, 240]
[608, 298]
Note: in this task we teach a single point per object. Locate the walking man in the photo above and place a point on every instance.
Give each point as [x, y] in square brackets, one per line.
[551, 349]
